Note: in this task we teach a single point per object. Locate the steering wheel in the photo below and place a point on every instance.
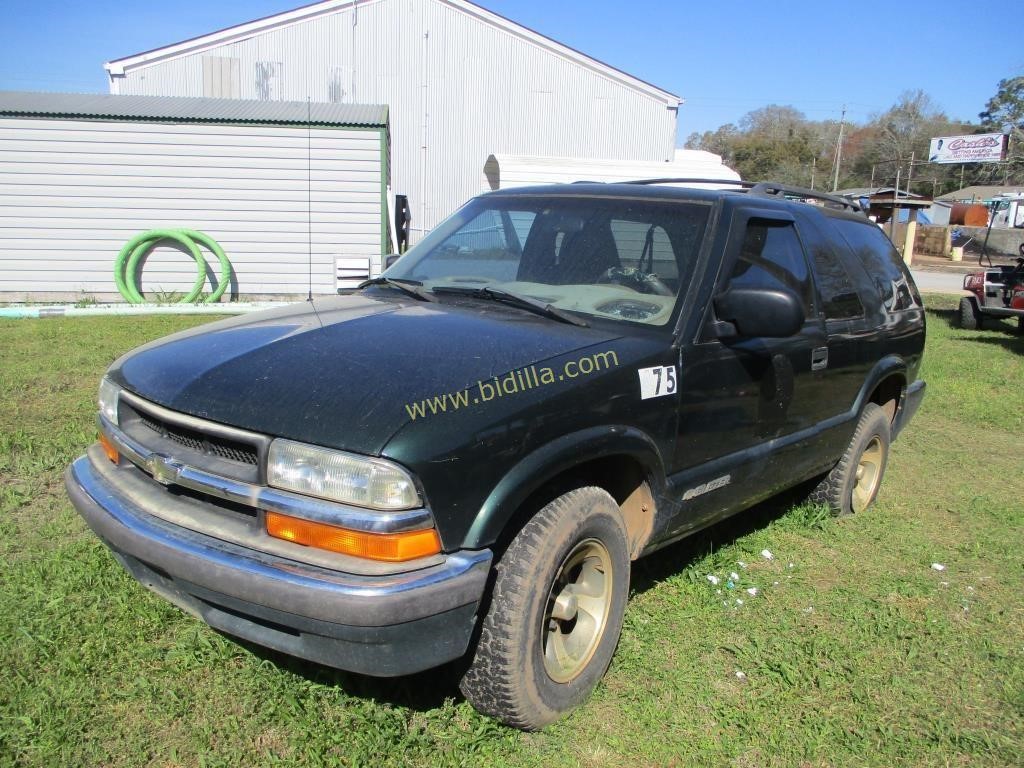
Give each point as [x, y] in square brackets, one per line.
[641, 282]
[1017, 273]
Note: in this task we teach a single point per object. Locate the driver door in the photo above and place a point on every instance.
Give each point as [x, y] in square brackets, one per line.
[746, 408]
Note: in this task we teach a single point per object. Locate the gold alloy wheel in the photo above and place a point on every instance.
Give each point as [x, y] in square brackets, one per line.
[577, 609]
[869, 474]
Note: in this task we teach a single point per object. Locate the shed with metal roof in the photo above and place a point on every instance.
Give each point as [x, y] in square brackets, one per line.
[980, 193]
[290, 190]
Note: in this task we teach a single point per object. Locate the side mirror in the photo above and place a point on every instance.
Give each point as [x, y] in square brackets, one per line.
[753, 312]
[390, 259]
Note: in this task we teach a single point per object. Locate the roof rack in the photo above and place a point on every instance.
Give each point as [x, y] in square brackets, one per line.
[672, 180]
[764, 188]
[773, 189]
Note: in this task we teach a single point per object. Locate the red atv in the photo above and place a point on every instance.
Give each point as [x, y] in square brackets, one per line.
[997, 292]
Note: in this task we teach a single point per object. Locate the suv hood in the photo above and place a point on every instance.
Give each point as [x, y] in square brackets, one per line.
[338, 372]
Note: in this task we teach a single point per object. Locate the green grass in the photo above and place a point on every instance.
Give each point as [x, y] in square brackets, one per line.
[854, 651]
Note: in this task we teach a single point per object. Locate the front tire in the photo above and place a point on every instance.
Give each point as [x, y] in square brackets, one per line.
[556, 612]
[970, 317]
[852, 484]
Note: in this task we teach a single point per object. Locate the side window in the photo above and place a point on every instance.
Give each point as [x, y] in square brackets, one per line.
[646, 247]
[771, 258]
[838, 293]
[881, 261]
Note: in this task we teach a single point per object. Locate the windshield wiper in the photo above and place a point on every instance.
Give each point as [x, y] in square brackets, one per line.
[514, 299]
[412, 288]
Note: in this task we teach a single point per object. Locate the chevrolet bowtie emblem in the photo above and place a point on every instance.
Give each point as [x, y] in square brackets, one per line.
[163, 469]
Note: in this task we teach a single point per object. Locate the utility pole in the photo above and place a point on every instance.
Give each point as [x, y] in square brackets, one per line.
[910, 172]
[895, 210]
[814, 163]
[839, 149]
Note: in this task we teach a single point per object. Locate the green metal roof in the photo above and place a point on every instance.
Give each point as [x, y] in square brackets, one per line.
[189, 109]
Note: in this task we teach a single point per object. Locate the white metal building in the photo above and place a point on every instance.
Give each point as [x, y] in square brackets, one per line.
[461, 84]
[81, 174]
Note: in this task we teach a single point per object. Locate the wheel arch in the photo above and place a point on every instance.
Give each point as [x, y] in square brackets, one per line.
[972, 297]
[623, 461]
[886, 386]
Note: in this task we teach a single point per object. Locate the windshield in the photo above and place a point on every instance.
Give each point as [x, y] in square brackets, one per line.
[621, 259]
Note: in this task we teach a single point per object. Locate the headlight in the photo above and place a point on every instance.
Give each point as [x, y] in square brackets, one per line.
[339, 476]
[109, 392]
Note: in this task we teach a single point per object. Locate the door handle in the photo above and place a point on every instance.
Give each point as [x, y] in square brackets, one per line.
[819, 358]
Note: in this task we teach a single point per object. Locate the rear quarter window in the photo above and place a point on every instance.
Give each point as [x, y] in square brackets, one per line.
[882, 262]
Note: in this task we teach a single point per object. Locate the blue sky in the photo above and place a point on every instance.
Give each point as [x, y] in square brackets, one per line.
[724, 58]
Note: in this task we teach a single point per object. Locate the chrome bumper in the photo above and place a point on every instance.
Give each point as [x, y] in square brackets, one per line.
[386, 624]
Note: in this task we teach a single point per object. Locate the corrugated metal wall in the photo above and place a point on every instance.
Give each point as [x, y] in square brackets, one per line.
[488, 91]
[72, 192]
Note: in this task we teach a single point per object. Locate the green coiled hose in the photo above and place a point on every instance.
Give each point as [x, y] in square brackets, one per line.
[127, 262]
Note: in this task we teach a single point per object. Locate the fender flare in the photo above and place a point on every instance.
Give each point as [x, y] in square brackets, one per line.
[888, 366]
[551, 460]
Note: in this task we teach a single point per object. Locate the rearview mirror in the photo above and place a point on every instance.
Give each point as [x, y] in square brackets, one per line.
[390, 259]
[752, 312]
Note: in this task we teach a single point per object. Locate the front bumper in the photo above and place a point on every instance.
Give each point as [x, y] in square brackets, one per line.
[384, 625]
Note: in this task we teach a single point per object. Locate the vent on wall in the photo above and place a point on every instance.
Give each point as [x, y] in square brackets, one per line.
[351, 271]
[220, 77]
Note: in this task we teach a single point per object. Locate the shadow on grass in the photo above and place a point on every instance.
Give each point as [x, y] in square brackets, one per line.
[421, 692]
[1010, 336]
[1012, 341]
[429, 690]
[950, 317]
[655, 568]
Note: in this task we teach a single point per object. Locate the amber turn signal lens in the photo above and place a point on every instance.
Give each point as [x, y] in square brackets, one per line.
[109, 449]
[391, 547]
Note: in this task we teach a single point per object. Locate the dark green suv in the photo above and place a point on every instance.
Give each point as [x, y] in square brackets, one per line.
[461, 458]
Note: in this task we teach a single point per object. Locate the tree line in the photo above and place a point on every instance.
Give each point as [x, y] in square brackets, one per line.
[779, 143]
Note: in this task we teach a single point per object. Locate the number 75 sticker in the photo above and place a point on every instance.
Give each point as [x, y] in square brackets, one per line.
[657, 381]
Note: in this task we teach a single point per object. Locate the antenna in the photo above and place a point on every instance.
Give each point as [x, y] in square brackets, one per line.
[309, 194]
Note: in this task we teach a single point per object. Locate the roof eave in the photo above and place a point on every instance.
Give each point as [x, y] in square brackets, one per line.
[188, 109]
[120, 67]
[227, 35]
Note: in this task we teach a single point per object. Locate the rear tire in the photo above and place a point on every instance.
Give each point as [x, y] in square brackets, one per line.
[852, 484]
[556, 612]
[970, 317]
